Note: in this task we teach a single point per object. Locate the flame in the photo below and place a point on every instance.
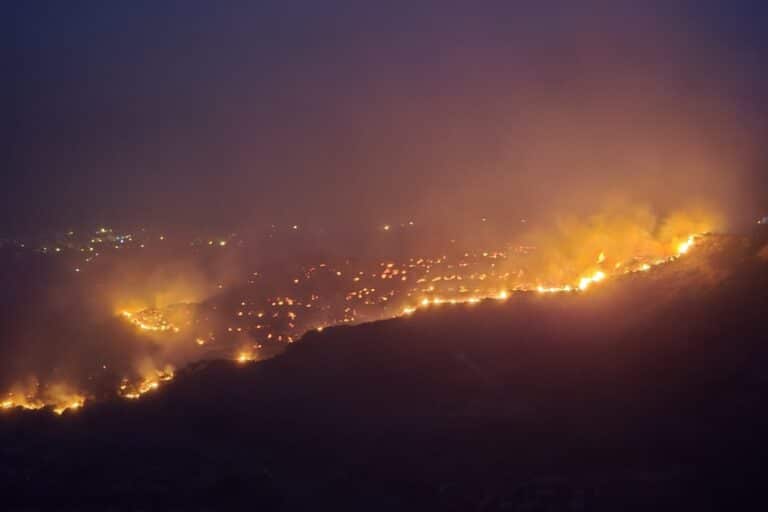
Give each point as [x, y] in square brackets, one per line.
[245, 356]
[555, 289]
[61, 399]
[58, 396]
[149, 320]
[24, 402]
[583, 285]
[585, 282]
[75, 403]
[134, 390]
[684, 247]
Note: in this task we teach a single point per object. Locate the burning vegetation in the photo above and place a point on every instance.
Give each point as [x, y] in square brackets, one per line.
[150, 320]
[257, 318]
[134, 390]
[58, 397]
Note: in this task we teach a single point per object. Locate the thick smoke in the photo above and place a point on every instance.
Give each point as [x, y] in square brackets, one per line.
[64, 331]
[616, 102]
[618, 234]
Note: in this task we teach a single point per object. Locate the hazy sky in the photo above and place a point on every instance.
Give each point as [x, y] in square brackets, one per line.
[232, 112]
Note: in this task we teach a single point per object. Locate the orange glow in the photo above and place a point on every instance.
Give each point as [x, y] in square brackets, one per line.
[684, 247]
[150, 320]
[435, 283]
[245, 356]
[585, 282]
[152, 382]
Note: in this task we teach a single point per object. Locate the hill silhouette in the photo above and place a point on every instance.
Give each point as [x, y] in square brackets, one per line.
[643, 393]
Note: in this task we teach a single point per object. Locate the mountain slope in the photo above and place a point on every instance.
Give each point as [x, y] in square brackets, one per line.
[645, 391]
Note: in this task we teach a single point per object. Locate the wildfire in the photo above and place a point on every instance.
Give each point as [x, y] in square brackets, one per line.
[555, 289]
[135, 390]
[150, 320]
[56, 398]
[436, 283]
[73, 404]
[684, 247]
[24, 401]
[585, 282]
[245, 356]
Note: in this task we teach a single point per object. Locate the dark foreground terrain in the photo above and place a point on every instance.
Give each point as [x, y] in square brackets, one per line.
[645, 393]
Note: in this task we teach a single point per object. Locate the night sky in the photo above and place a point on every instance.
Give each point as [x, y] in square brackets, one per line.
[225, 114]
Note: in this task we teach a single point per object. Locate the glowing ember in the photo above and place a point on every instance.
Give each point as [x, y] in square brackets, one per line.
[150, 320]
[245, 356]
[583, 284]
[555, 289]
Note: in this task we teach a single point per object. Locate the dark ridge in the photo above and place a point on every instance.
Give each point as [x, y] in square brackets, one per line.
[645, 393]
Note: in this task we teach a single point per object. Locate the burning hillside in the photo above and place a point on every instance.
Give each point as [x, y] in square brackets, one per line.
[258, 319]
[654, 373]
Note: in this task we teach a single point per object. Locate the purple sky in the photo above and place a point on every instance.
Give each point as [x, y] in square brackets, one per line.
[224, 114]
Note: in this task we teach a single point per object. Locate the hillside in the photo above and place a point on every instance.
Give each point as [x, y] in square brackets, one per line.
[645, 392]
